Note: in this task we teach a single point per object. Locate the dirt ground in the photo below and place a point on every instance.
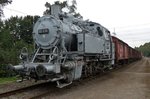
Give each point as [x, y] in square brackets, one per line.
[129, 82]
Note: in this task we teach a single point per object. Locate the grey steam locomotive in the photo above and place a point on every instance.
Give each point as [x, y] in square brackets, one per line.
[67, 48]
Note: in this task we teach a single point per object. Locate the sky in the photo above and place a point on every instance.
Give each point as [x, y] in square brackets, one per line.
[129, 19]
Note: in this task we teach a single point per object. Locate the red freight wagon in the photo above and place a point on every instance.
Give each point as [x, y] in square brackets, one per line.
[121, 50]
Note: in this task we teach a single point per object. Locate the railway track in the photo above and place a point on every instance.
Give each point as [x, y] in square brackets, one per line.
[22, 90]
[77, 84]
[45, 89]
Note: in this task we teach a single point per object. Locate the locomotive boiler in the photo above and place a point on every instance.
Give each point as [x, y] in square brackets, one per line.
[67, 48]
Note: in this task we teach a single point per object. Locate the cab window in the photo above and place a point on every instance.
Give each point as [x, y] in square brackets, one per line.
[100, 32]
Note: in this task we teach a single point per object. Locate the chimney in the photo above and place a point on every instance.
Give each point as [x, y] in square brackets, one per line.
[55, 10]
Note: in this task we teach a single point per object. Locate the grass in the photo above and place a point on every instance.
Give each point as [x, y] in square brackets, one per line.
[7, 80]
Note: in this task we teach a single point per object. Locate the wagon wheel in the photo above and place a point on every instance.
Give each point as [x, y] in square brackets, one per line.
[85, 71]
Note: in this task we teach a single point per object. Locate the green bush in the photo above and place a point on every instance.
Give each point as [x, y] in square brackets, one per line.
[5, 71]
[15, 33]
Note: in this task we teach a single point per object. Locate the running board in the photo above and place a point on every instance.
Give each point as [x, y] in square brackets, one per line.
[61, 85]
[56, 79]
[21, 80]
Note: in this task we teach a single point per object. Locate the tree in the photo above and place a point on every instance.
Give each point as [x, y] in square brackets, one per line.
[21, 28]
[145, 49]
[15, 33]
[2, 4]
[72, 8]
[48, 6]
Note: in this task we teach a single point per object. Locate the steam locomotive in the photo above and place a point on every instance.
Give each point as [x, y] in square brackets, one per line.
[68, 48]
